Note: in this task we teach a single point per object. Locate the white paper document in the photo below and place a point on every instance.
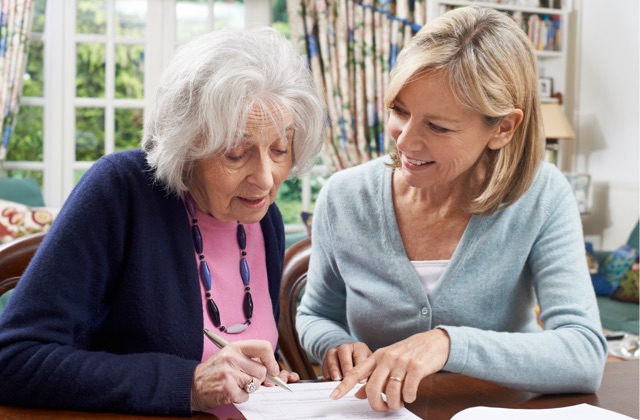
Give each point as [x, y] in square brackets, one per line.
[310, 400]
[574, 412]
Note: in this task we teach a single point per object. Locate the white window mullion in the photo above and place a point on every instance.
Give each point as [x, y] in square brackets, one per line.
[210, 14]
[257, 13]
[109, 128]
[154, 47]
[68, 107]
[169, 34]
[110, 82]
[52, 142]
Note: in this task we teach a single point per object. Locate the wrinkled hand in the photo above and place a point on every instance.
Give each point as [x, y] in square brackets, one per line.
[407, 362]
[222, 378]
[339, 361]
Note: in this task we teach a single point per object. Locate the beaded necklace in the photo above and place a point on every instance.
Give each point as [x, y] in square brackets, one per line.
[205, 273]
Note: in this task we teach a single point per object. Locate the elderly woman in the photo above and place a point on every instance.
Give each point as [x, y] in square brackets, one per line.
[156, 244]
[457, 236]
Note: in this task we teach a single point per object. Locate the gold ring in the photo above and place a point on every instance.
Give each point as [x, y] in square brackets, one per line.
[395, 379]
[250, 387]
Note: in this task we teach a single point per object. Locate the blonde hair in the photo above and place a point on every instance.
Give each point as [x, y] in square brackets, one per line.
[492, 69]
[210, 86]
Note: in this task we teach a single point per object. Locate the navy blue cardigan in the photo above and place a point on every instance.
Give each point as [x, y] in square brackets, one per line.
[108, 316]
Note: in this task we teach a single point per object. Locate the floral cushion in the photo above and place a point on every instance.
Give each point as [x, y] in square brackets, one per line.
[19, 220]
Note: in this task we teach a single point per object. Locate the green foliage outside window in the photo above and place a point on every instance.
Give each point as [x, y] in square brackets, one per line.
[128, 131]
[280, 19]
[30, 136]
[90, 70]
[30, 147]
[89, 134]
[32, 83]
[91, 16]
[288, 200]
[129, 71]
[289, 197]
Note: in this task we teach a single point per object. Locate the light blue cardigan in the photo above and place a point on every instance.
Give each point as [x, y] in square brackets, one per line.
[362, 287]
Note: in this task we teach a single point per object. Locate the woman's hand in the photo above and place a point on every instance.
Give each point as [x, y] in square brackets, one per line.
[339, 361]
[223, 377]
[397, 370]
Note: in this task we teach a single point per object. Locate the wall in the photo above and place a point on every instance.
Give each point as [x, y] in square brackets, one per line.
[607, 116]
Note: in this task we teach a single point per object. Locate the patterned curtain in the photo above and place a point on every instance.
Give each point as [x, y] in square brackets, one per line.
[351, 46]
[15, 27]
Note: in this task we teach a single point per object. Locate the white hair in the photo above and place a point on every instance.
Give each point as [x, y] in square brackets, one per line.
[210, 86]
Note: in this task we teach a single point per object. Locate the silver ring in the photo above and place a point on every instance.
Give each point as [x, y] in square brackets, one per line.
[250, 387]
[395, 378]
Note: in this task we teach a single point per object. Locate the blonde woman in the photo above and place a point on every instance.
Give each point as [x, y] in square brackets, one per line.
[435, 257]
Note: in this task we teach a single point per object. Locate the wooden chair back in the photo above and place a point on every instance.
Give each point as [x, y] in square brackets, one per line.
[15, 255]
[294, 278]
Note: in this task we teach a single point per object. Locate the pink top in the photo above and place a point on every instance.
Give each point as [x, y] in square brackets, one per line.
[222, 253]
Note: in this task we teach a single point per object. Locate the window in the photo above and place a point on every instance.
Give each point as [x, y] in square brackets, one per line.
[92, 70]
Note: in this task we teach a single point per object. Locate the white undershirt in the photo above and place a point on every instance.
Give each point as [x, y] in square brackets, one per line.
[429, 272]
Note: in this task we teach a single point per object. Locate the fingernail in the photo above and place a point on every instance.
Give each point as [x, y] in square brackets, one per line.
[334, 394]
[336, 376]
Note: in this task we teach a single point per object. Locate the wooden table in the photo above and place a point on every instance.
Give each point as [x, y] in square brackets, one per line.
[445, 394]
[440, 397]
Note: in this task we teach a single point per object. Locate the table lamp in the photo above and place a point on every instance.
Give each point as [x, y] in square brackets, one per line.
[556, 127]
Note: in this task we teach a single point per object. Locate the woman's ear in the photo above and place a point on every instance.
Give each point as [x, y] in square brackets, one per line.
[506, 129]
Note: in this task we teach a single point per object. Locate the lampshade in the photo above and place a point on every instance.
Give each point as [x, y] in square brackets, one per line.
[556, 124]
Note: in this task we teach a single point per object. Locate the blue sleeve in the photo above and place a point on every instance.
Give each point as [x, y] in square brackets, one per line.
[62, 344]
[569, 355]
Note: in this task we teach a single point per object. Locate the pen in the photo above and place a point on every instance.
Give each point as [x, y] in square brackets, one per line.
[221, 343]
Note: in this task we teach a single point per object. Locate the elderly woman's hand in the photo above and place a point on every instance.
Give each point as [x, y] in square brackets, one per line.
[397, 370]
[223, 377]
[339, 361]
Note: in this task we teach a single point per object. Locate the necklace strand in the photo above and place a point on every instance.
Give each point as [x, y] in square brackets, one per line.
[205, 273]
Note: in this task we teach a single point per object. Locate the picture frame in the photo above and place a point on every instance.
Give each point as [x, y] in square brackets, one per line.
[546, 87]
[580, 184]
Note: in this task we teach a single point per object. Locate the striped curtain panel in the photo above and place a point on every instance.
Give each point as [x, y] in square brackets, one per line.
[351, 46]
[15, 27]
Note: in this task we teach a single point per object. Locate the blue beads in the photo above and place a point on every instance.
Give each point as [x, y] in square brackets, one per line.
[244, 272]
[205, 272]
[205, 275]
